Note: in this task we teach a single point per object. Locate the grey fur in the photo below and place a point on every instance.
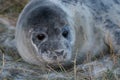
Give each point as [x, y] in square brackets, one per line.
[89, 23]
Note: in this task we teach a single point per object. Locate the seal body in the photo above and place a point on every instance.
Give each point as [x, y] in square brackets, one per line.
[57, 32]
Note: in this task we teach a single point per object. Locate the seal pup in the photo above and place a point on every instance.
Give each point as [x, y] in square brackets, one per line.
[54, 32]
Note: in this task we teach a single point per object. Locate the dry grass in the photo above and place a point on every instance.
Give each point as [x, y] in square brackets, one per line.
[15, 68]
[11, 8]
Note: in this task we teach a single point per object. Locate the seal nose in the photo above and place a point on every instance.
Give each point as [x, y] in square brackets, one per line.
[59, 52]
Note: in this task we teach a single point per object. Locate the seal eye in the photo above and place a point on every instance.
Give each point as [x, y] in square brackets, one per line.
[65, 33]
[40, 37]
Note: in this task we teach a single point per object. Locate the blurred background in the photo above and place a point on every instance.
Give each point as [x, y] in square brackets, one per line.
[10, 9]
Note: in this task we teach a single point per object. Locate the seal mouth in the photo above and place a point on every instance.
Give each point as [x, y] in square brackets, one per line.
[54, 57]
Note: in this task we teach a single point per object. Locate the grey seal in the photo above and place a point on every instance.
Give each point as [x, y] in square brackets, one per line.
[60, 32]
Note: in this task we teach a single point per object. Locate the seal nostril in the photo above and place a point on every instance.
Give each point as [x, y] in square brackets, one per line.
[59, 53]
[65, 55]
[62, 52]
